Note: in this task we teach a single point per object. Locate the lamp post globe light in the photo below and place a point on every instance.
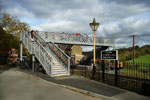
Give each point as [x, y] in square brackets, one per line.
[94, 25]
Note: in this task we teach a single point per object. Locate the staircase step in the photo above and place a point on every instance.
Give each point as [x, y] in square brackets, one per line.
[55, 62]
[57, 65]
[65, 75]
[57, 68]
[58, 73]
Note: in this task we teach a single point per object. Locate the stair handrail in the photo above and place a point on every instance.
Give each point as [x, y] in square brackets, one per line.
[27, 40]
[39, 51]
[47, 58]
[64, 58]
[41, 40]
[27, 34]
[61, 51]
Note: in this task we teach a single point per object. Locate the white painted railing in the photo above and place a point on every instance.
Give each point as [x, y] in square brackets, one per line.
[34, 47]
[61, 57]
[81, 39]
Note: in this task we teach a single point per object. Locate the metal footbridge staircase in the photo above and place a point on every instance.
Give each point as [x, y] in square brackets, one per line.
[43, 46]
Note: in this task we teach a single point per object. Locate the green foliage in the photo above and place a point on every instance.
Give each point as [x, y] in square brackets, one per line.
[25, 52]
[142, 59]
[126, 54]
[10, 27]
[7, 41]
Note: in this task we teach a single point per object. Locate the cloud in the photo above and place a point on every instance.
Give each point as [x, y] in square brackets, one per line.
[60, 26]
[130, 2]
[118, 18]
[104, 9]
[128, 26]
[123, 30]
[19, 12]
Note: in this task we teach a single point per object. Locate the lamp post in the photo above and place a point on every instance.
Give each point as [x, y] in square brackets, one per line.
[94, 25]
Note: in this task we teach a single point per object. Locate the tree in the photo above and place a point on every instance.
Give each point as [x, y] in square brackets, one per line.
[125, 54]
[4, 41]
[12, 25]
[4, 46]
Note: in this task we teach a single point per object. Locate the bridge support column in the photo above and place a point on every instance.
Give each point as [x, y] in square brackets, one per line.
[33, 62]
[21, 60]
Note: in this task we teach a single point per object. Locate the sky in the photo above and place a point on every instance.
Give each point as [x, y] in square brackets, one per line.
[118, 19]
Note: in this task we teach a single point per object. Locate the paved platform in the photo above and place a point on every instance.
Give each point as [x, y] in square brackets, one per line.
[93, 88]
[98, 88]
[16, 85]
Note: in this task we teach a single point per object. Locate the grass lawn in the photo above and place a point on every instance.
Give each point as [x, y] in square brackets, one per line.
[142, 59]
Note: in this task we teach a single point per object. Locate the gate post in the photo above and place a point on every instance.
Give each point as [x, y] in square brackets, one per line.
[116, 72]
[21, 55]
[103, 71]
[33, 63]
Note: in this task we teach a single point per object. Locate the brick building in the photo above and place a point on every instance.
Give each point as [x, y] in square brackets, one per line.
[74, 51]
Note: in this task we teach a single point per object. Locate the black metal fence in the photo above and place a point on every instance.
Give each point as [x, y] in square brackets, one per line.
[3, 60]
[133, 77]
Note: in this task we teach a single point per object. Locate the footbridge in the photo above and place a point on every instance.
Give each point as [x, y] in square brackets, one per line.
[75, 38]
[43, 47]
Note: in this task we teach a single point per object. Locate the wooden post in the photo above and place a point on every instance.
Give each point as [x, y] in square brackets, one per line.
[94, 49]
[133, 51]
[94, 55]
